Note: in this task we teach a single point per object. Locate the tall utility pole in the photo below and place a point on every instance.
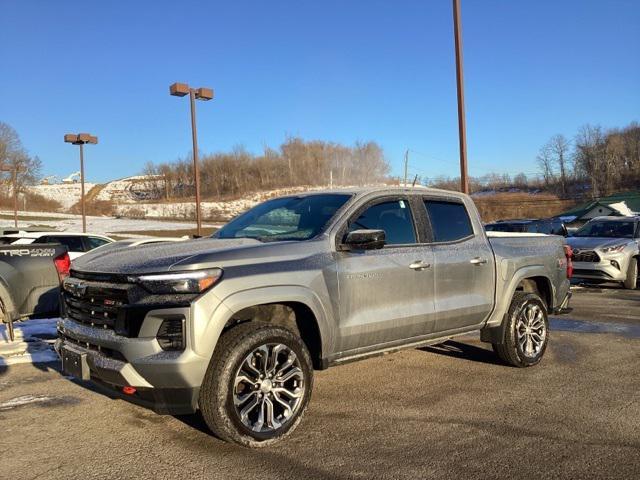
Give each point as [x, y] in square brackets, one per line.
[180, 90]
[80, 139]
[406, 166]
[462, 128]
[15, 169]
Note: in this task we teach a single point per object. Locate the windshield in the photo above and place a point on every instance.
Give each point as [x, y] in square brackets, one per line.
[289, 218]
[607, 229]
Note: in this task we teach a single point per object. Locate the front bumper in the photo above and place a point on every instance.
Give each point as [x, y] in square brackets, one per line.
[165, 381]
[612, 268]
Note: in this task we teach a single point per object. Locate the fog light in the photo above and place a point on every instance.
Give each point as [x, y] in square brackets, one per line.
[615, 264]
[171, 334]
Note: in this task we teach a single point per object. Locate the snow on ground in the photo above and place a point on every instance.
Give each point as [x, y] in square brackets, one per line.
[24, 400]
[67, 194]
[33, 342]
[99, 225]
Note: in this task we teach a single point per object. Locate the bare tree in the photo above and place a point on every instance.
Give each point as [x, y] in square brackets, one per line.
[588, 156]
[13, 154]
[560, 147]
[546, 163]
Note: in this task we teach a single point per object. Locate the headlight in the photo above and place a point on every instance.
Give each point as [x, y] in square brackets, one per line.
[196, 281]
[614, 248]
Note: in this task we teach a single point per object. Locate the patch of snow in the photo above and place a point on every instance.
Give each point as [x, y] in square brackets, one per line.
[40, 328]
[24, 400]
[621, 208]
[32, 342]
[38, 352]
[100, 225]
[67, 194]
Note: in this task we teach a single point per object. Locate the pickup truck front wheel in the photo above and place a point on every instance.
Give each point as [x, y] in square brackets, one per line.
[257, 386]
[526, 333]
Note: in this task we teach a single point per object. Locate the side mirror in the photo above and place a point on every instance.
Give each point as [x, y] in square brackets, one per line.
[364, 240]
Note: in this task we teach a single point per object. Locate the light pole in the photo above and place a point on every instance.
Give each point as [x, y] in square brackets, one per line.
[180, 90]
[462, 127]
[15, 169]
[80, 139]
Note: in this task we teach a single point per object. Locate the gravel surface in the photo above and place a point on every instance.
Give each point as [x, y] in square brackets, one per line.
[450, 411]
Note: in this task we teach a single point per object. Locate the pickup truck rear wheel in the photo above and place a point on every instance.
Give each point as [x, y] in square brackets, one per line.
[526, 333]
[632, 275]
[257, 386]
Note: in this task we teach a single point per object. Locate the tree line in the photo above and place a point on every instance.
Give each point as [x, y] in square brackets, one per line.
[595, 162]
[296, 162]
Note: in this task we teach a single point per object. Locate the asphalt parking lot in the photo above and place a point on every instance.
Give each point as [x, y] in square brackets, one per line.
[450, 411]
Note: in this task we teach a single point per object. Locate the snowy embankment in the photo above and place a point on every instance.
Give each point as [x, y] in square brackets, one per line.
[33, 342]
[98, 225]
[219, 211]
[67, 194]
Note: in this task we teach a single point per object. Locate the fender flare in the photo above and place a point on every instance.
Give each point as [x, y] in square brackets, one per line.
[493, 331]
[208, 338]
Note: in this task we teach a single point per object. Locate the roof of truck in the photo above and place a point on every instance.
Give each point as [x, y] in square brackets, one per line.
[376, 189]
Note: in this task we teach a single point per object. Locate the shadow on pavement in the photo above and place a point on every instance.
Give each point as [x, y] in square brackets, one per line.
[194, 421]
[463, 351]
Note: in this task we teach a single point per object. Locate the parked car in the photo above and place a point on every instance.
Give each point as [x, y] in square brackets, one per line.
[30, 277]
[234, 325]
[607, 249]
[77, 243]
[549, 226]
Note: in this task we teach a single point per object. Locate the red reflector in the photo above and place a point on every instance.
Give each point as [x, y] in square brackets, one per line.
[568, 252]
[63, 265]
[128, 390]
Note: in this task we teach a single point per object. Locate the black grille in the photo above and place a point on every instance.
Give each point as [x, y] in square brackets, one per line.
[107, 352]
[586, 256]
[96, 307]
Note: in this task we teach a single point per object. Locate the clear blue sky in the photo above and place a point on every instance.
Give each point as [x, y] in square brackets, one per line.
[331, 70]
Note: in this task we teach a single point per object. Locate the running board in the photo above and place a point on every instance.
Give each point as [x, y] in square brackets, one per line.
[405, 346]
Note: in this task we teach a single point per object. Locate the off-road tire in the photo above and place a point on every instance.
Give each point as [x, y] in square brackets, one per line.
[631, 281]
[509, 350]
[217, 390]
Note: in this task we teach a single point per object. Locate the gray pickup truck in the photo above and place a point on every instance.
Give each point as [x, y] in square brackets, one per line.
[30, 277]
[235, 325]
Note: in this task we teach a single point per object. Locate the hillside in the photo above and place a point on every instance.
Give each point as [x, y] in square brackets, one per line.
[131, 198]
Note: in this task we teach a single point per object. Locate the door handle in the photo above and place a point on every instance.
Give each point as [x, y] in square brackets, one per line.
[478, 261]
[419, 265]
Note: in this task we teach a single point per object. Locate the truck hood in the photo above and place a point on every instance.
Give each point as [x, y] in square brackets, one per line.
[595, 242]
[121, 258]
[118, 258]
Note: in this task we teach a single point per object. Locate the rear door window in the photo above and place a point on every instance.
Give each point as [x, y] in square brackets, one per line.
[394, 217]
[449, 220]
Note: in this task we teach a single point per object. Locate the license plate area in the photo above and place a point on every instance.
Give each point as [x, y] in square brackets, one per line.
[74, 363]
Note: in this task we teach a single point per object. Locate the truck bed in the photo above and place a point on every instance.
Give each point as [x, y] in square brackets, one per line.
[519, 251]
[29, 282]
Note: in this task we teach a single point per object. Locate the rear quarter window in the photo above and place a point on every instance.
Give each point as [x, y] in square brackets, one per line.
[449, 220]
[73, 244]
